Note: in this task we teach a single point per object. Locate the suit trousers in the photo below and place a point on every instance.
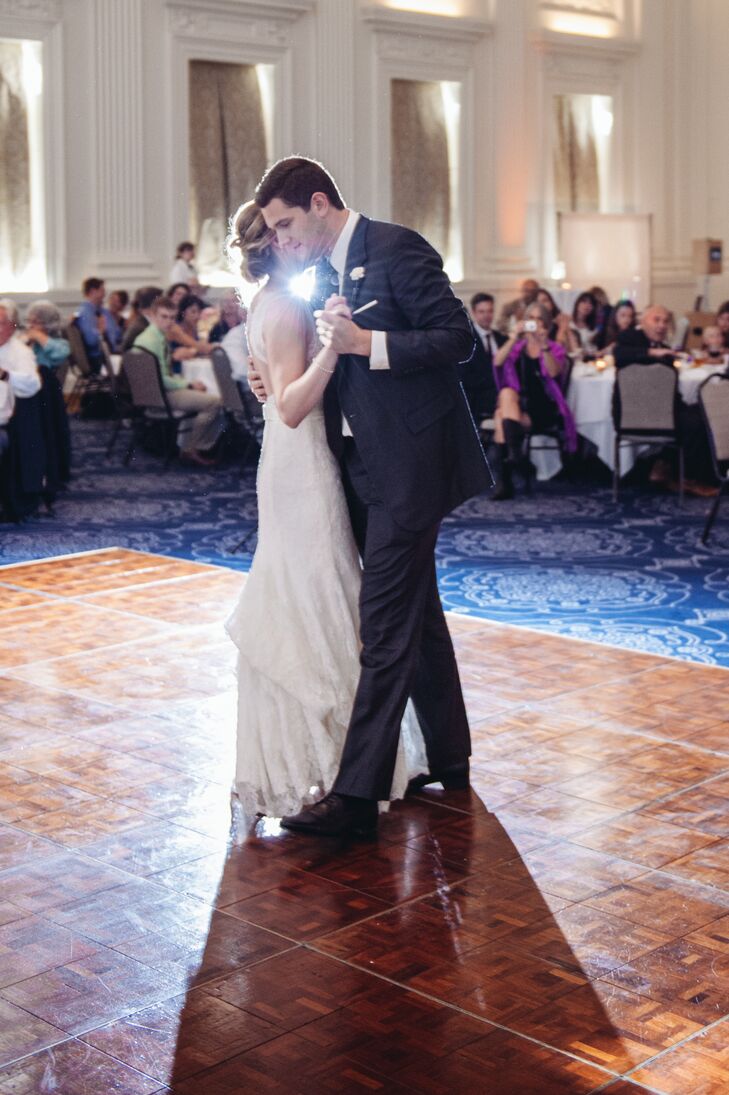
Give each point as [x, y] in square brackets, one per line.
[206, 427]
[406, 647]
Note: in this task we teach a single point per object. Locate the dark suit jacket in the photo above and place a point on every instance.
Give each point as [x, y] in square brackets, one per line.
[411, 423]
[479, 378]
[632, 348]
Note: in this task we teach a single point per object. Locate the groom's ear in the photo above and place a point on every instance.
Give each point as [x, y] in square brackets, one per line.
[320, 204]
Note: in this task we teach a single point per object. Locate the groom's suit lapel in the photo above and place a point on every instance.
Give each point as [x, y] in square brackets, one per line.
[356, 260]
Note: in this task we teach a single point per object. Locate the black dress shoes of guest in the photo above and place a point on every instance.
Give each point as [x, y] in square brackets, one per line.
[335, 815]
[455, 778]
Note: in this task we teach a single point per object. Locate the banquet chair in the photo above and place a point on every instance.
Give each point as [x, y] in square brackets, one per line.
[150, 407]
[241, 407]
[645, 412]
[86, 381]
[714, 403]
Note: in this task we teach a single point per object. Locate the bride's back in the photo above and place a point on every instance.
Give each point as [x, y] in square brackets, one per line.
[271, 308]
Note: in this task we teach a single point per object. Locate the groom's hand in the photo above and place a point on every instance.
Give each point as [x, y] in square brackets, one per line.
[337, 331]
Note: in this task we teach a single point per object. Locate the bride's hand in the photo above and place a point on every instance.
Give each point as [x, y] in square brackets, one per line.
[255, 383]
[338, 305]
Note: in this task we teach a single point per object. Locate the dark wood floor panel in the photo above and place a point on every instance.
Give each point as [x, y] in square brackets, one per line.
[561, 928]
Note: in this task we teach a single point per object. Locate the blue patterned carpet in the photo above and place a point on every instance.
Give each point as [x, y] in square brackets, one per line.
[567, 560]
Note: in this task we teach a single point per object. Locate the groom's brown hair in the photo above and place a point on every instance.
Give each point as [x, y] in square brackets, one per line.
[294, 180]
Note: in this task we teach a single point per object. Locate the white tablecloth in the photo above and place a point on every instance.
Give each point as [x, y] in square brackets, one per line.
[201, 368]
[197, 368]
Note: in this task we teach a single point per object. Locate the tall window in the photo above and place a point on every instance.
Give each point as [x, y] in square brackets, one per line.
[425, 133]
[228, 153]
[22, 219]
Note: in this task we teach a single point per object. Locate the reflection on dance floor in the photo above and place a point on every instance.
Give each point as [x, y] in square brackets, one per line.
[561, 928]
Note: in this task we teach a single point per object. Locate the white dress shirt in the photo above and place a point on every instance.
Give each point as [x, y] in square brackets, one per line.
[487, 338]
[23, 381]
[183, 272]
[235, 345]
[338, 259]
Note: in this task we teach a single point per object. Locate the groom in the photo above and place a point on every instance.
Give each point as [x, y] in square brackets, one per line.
[398, 421]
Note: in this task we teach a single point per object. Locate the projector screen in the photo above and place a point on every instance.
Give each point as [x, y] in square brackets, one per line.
[608, 249]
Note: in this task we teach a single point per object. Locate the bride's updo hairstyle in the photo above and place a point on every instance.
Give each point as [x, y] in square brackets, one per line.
[249, 243]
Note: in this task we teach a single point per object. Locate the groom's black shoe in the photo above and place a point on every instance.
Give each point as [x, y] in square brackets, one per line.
[335, 815]
[455, 778]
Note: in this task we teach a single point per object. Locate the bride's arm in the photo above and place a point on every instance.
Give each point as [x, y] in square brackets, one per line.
[296, 388]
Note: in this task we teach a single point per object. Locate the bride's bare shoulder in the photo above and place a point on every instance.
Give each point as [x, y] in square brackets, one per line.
[275, 307]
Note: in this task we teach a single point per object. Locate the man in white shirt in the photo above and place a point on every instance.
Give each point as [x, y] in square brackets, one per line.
[235, 344]
[19, 378]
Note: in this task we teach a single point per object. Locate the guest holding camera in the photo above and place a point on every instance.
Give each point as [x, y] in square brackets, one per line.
[531, 398]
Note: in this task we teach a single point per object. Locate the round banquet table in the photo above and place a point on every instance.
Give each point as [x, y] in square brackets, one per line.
[590, 397]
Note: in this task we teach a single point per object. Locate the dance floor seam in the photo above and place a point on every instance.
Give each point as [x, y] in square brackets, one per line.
[561, 928]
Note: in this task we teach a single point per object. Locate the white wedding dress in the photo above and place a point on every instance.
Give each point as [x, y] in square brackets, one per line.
[296, 623]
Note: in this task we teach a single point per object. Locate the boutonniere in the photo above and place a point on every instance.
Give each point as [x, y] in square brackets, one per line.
[357, 274]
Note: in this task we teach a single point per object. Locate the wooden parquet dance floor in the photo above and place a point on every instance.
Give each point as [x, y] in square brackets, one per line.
[563, 928]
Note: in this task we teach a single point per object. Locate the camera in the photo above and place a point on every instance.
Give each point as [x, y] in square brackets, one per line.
[530, 325]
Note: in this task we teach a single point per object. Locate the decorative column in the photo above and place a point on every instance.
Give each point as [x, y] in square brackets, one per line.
[335, 91]
[514, 164]
[118, 44]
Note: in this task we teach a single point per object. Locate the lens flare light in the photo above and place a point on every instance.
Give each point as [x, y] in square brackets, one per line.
[303, 284]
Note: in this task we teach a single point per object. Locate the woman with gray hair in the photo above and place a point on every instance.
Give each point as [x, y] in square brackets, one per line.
[43, 333]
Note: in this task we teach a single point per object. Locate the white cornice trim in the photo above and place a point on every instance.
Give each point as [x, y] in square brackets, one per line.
[432, 26]
[36, 11]
[245, 9]
[616, 49]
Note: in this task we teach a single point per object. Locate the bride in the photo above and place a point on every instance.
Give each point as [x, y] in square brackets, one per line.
[296, 623]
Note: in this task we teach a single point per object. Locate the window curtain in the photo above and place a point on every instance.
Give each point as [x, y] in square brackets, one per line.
[576, 169]
[15, 231]
[420, 183]
[227, 150]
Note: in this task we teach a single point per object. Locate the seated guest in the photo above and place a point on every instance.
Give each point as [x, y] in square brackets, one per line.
[531, 397]
[647, 345]
[713, 346]
[19, 380]
[209, 422]
[141, 311]
[235, 345]
[604, 307]
[43, 326]
[91, 321]
[184, 269]
[176, 292]
[19, 376]
[184, 339]
[560, 328]
[514, 310]
[43, 334]
[115, 319]
[622, 318]
[584, 324]
[722, 322]
[478, 376]
[230, 315]
[17, 361]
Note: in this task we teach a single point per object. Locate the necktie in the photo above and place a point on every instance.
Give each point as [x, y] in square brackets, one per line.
[327, 282]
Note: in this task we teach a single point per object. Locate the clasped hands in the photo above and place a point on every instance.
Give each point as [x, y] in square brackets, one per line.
[337, 331]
